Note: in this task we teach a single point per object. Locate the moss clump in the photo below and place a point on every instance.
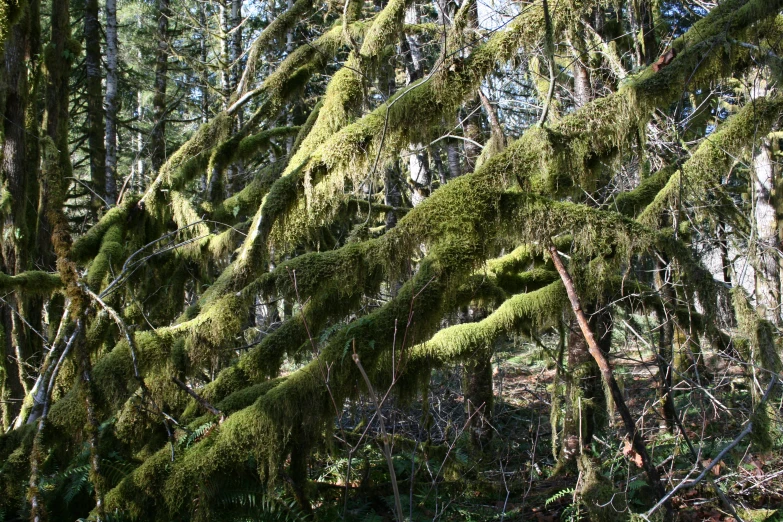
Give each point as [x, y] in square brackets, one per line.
[246, 201]
[528, 312]
[109, 255]
[32, 282]
[88, 245]
[214, 329]
[634, 201]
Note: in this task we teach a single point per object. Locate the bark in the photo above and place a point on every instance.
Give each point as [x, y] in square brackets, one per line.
[479, 398]
[642, 20]
[112, 79]
[452, 156]
[158, 135]
[767, 246]
[392, 194]
[95, 121]
[15, 243]
[665, 345]
[585, 402]
[235, 42]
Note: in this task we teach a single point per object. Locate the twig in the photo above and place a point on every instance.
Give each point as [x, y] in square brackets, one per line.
[386, 447]
[744, 433]
[201, 400]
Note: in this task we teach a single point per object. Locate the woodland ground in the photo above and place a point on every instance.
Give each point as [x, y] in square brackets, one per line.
[513, 479]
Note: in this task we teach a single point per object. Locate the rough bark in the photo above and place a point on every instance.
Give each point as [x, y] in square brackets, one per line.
[112, 80]
[158, 134]
[95, 120]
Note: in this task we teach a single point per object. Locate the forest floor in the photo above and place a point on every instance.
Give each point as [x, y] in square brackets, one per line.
[513, 479]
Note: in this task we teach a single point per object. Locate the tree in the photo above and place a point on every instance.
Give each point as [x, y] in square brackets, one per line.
[604, 170]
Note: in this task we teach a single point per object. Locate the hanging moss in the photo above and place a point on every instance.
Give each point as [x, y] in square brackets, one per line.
[704, 170]
[522, 313]
[281, 24]
[87, 246]
[247, 200]
[187, 217]
[113, 378]
[33, 282]
[214, 329]
[634, 201]
[110, 254]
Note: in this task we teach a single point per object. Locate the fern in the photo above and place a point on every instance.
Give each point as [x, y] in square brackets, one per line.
[196, 435]
[557, 496]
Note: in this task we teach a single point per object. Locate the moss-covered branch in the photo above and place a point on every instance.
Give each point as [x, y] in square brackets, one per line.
[704, 170]
[32, 282]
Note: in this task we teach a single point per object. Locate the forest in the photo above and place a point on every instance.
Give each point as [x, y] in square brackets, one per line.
[391, 260]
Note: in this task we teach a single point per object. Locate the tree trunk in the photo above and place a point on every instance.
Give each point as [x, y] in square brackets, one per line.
[158, 135]
[95, 124]
[585, 401]
[15, 230]
[665, 346]
[479, 398]
[767, 246]
[112, 48]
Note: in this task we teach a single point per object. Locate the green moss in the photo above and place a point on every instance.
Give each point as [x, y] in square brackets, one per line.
[88, 245]
[33, 282]
[704, 170]
[275, 30]
[522, 313]
[246, 201]
[634, 201]
[113, 379]
[110, 254]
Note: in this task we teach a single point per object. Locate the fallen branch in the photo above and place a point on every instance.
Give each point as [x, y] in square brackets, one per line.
[608, 377]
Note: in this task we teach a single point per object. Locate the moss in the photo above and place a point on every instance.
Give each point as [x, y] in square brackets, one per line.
[634, 201]
[704, 170]
[602, 502]
[764, 354]
[385, 29]
[249, 146]
[88, 245]
[214, 329]
[138, 495]
[33, 282]
[109, 255]
[525, 313]
[15, 449]
[246, 201]
[113, 379]
[275, 30]
[10, 10]
[247, 396]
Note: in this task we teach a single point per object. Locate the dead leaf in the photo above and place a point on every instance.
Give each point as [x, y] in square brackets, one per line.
[631, 454]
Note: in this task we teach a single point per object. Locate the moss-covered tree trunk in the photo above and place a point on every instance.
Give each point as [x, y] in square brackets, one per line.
[665, 346]
[642, 20]
[17, 231]
[479, 397]
[585, 407]
[767, 247]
